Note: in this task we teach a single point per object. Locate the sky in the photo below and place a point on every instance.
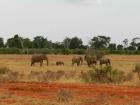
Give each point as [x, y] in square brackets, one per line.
[56, 19]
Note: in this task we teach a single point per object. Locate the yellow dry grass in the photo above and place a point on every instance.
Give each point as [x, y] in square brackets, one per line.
[21, 64]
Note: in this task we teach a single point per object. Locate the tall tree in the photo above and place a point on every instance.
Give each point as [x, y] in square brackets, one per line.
[125, 43]
[1, 42]
[112, 46]
[134, 42]
[66, 42]
[100, 42]
[119, 47]
[58, 45]
[138, 46]
[39, 42]
[27, 43]
[75, 43]
[15, 42]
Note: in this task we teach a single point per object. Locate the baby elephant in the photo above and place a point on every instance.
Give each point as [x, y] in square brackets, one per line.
[59, 63]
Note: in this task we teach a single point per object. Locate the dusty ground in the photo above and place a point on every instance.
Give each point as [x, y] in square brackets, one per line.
[47, 94]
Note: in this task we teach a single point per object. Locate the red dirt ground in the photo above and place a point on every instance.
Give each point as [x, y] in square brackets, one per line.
[117, 95]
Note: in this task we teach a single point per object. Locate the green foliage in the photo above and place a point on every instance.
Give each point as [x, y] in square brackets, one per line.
[39, 42]
[120, 47]
[125, 43]
[117, 76]
[78, 51]
[101, 46]
[100, 42]
[27, 43]
[14, 42]
[131, 48]
[125, 52]
[1, 43]
[66, 51]
[75, 43]
[9, 51]
[104, 75]
[112, 46]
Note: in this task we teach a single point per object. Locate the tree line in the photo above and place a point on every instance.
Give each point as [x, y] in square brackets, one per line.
[99, 42]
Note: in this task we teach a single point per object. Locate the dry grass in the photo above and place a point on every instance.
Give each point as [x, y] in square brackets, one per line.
[21, 64]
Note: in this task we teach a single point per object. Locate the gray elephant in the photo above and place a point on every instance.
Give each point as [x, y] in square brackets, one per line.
[38, 58]
[104, 61]
[90, 59]
[78, 60]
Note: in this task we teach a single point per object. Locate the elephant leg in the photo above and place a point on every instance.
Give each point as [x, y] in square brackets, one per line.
[41, 63]
[32, 63]
[72, 63]
[77, 63]
[88, 64]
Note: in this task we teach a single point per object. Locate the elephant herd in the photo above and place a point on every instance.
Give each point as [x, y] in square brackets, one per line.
[78, 60]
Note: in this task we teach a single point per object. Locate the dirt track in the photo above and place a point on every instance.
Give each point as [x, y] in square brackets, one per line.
[117, 95]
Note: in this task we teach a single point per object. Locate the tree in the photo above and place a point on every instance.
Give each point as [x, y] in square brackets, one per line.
[125, 43]
[131, 48]
[75, 43]
[138, 46]
[1, 42]
[15, 42]
[134, 42]
[112, 46]
[58, 45]
[66, 42]
[39, 42]
[27, 43]
[100, 42]
[120, 47]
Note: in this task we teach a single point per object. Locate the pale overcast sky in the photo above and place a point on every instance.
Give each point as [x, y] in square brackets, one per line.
[56, 19]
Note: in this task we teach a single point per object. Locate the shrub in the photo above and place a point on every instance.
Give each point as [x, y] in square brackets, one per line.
[65, 51]
[9, 51]
[117, 76]
[129, 76]
[137, 69]
[103, 75]
[64, 96]
[4, 70]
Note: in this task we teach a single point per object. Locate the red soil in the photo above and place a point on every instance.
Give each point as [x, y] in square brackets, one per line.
[117, 95]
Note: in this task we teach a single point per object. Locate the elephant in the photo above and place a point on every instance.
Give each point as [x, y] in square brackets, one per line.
[104, 61]
[59, 63]
[38, 58]
[90, 59]
[78, 60]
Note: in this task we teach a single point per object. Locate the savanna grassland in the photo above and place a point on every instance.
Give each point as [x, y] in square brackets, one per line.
[62, 85]
[21, 64]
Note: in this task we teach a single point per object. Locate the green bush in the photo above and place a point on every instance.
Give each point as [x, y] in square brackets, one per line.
[65, 51]
[4, 70]
[78, 51]
[9, 51]
[103, 75]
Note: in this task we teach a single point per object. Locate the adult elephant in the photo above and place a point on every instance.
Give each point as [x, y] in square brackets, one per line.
[78, 60]
[105, 61]
[90, 59]
[38, 58]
